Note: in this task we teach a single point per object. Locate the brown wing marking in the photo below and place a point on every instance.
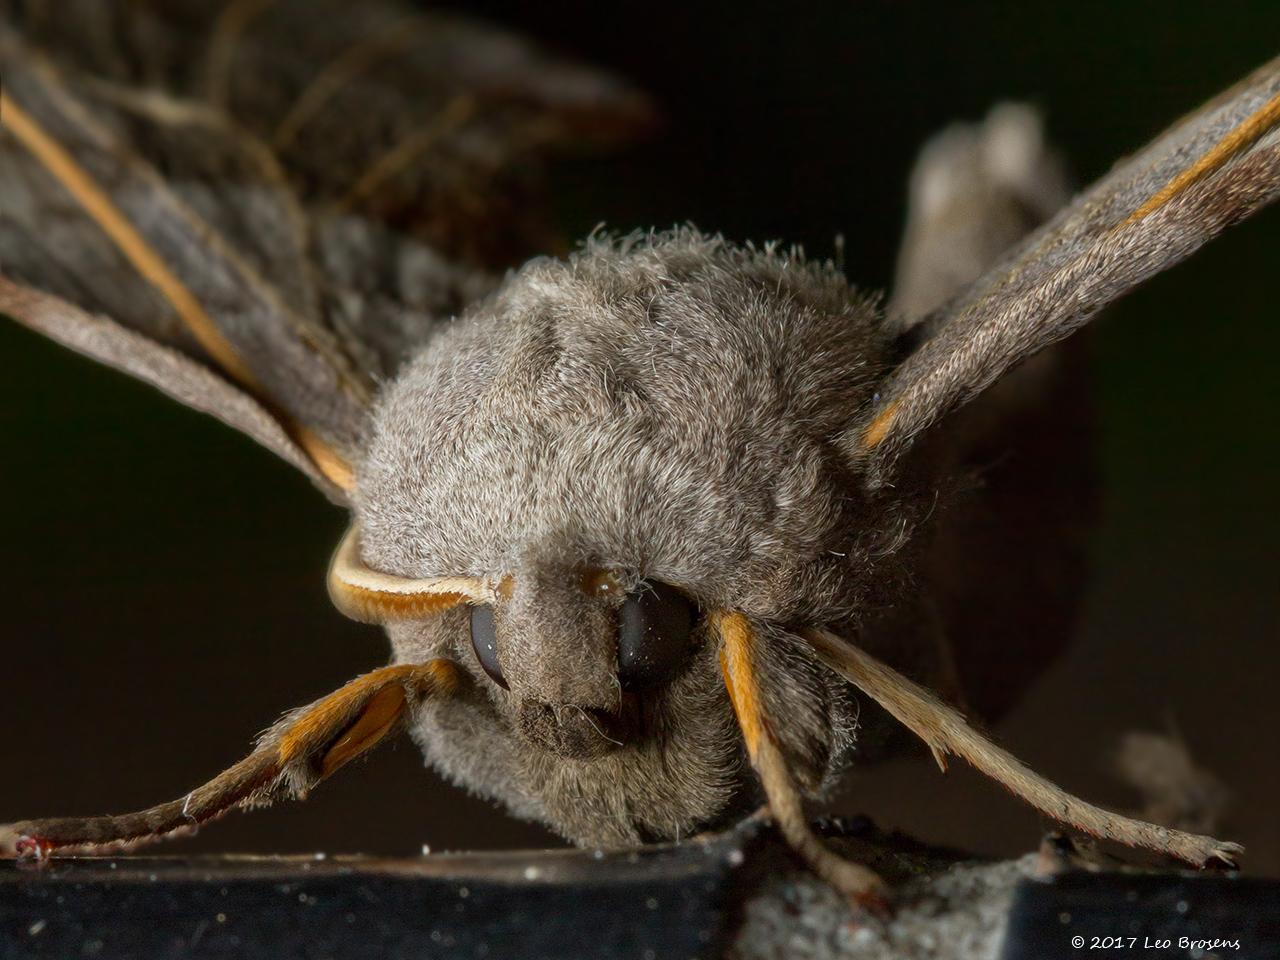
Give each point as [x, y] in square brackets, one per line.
[351, 63]
[144, 258]
[456, 113]
[234, 19]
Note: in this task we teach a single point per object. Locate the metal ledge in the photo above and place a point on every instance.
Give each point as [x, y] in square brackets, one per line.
[741, 895]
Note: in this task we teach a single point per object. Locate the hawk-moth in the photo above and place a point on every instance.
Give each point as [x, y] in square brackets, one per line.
[883, 579]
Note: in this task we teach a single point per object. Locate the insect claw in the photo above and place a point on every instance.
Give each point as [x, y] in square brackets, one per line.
[1223, 857]
[939, 757]
[873, 902]
[32, 848]
[945, 729]
[859, 884]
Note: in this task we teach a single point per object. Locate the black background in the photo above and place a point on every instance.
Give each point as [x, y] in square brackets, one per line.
[163, 577]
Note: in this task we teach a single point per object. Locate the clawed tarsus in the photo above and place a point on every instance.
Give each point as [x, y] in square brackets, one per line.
[945, 731]
[300, 751]
[738, 662]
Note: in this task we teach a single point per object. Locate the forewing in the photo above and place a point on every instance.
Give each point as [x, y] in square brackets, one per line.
[185, 380]
[293, 194]
[1210, 170]
[130, 213]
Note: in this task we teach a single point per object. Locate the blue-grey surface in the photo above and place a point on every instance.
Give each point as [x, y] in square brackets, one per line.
[1145, 916]
[740, 895]
[529, 906]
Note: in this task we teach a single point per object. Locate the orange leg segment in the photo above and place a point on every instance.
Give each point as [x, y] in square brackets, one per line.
[738, 663]
[300, 751]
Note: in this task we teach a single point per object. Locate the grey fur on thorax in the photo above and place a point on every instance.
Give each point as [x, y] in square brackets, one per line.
[664, 405]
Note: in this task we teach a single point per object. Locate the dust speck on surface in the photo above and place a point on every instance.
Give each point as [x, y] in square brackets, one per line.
[958, 914]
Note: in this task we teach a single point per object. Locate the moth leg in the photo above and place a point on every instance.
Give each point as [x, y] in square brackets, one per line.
[297, 753]
[945, 731]
[738, 663]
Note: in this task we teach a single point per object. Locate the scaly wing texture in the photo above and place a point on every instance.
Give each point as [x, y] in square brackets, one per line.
[1154, 209]
[291, 194]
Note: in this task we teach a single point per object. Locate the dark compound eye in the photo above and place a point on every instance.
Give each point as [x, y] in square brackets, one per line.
[654, 624]
[484, 640]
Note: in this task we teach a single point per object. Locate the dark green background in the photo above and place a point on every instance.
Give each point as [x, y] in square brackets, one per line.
[163, 578]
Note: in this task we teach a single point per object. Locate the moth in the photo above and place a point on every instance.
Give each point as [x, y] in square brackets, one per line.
[646, 524]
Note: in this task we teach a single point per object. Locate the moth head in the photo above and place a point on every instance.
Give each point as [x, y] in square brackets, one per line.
[597, 703]
[602, 454]
[577, 648]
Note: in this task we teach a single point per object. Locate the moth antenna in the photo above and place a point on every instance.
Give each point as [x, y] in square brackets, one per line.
[372, 597]
[944, 730]
[296, 754]
[738, 663]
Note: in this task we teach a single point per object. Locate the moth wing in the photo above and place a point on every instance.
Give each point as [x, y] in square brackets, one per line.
[976, 190]
[1214, 168]
[288, 194]
[184, 379]
[114, 209]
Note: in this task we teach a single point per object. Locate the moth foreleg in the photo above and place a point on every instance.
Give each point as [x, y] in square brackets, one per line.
[737, 660]
[296, 754]
[945, 731]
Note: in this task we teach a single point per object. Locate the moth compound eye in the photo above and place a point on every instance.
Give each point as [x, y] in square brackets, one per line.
[654, 624]
[484, 641]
